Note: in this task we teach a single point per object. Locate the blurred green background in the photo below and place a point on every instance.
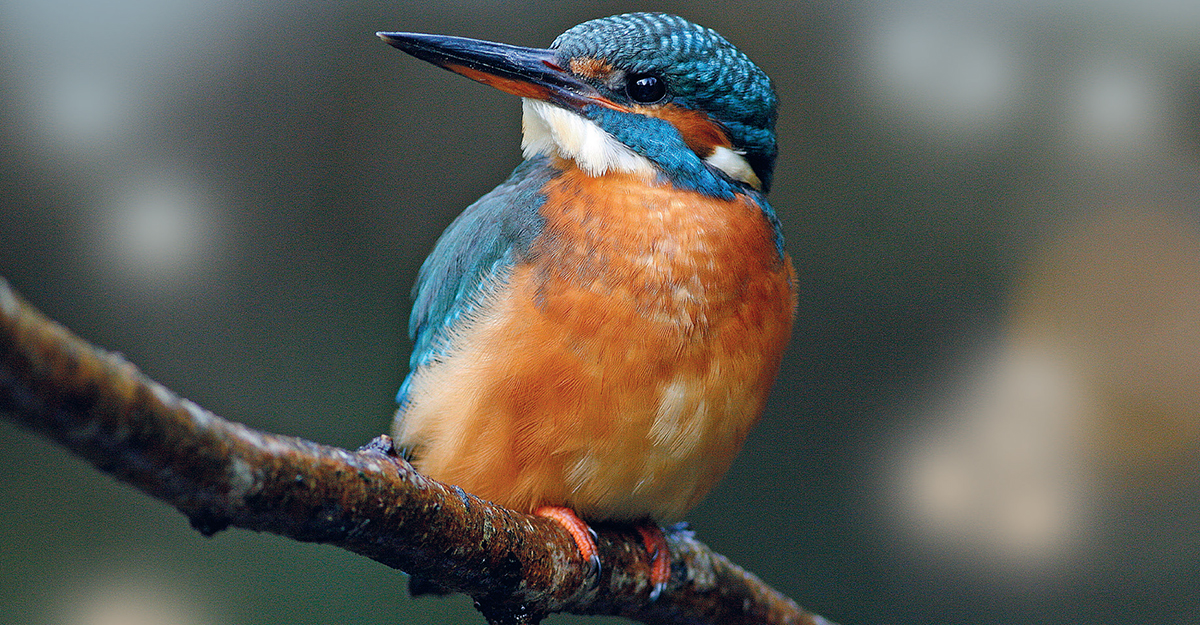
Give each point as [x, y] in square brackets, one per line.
[990, 409]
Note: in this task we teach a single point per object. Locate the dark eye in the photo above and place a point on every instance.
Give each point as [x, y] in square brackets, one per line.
[645, 88]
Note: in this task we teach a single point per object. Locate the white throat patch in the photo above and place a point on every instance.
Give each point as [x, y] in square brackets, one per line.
[548, 129]
[553, 131]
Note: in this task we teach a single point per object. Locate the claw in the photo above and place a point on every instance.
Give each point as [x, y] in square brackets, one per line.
[660, 557]
[584, 536]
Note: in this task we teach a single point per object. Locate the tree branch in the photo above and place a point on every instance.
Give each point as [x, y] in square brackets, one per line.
[516, 567]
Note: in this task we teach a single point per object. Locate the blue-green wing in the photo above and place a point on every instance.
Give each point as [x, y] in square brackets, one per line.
[471, 259]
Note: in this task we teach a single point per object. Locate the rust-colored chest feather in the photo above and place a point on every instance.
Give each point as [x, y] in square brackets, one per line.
[678, 259]
[618, 365]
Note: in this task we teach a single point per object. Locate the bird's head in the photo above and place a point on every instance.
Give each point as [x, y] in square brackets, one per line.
[640, 92]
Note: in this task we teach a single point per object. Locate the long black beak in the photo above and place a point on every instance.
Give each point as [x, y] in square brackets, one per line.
[526, 72]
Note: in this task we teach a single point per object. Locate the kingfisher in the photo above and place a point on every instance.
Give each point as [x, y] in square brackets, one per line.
[595, 337]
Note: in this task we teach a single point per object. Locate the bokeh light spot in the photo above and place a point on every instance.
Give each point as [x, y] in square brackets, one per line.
[158, 231]
[944, 75]
[1117, 108]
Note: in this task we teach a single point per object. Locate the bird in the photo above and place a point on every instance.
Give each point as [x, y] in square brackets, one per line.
[595, 337]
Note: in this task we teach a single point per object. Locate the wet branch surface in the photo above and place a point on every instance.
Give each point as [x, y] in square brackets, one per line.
[518, 568]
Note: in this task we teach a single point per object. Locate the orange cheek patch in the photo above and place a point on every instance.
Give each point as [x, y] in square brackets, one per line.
[699, 132]
[589, 67]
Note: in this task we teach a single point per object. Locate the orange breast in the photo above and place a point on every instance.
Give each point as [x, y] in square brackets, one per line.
[619, 370]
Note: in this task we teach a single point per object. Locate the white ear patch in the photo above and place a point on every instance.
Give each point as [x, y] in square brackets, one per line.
[554, 131]
[548, 129]
[734, 165]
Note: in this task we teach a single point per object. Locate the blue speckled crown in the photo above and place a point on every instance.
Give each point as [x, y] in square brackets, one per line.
[705, 70]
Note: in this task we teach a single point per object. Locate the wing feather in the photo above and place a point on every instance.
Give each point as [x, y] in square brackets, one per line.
[470, 260]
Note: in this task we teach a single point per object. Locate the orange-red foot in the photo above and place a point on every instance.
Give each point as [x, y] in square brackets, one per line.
[660, 558]
[583, 535]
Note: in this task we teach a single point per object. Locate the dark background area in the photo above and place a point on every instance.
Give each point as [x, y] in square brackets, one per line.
[990, 409]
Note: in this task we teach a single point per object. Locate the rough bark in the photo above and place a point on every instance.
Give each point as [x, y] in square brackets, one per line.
[516, 567]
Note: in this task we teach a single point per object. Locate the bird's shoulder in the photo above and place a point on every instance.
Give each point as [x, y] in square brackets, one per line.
[479, 247]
